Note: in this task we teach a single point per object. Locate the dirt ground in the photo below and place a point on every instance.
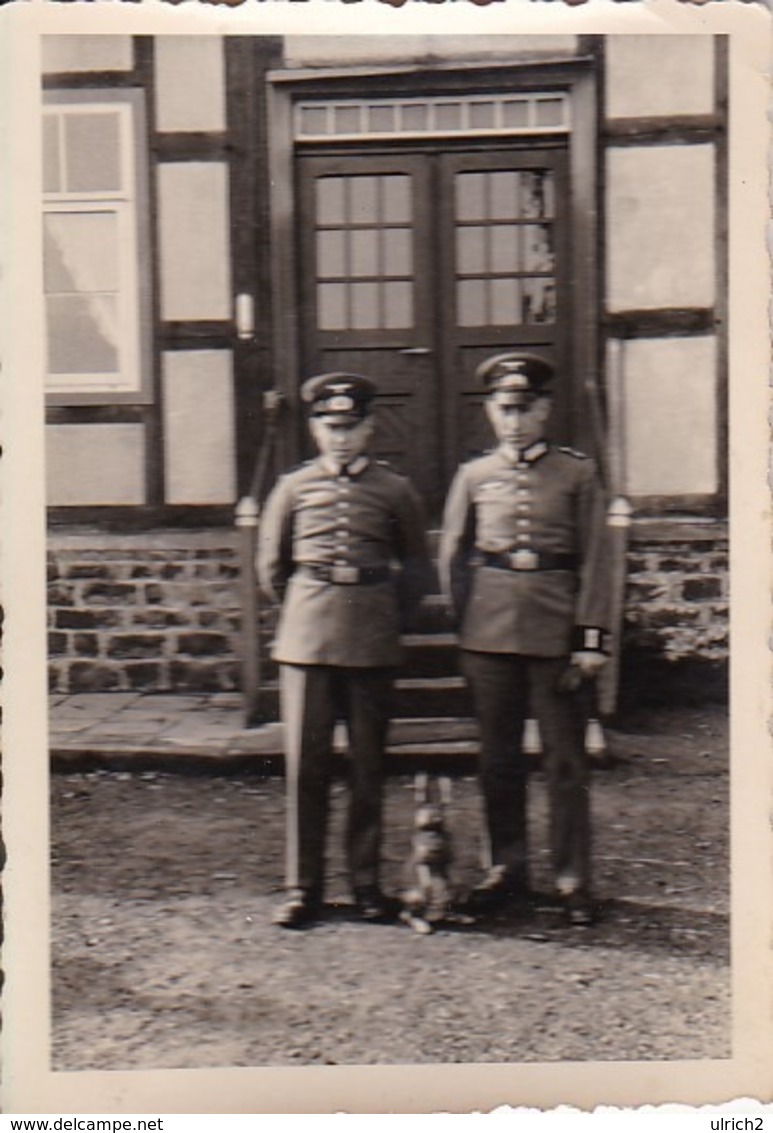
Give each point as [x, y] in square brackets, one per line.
[164, 955]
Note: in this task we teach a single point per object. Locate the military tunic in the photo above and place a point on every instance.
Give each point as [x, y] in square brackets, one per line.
[344, 552]
[368, 518]
[523, 561]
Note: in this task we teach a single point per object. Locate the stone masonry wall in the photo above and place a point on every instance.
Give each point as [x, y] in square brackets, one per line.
[153, 612]
[161, 612]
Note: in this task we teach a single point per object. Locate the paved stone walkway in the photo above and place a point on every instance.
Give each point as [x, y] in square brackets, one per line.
[136, 730]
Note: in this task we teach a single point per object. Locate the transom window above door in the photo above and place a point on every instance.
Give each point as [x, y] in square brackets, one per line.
[546, 112]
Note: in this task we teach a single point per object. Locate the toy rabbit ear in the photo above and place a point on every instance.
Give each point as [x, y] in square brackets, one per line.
[421, 788]
[444, 784]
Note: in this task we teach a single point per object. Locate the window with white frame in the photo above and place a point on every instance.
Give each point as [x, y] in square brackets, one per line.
[93, 213]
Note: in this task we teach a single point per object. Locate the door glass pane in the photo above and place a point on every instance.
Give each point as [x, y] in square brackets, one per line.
[504, 247]
[398, 304]
[397, 251]
[471, 196]
[538, 247]
[471, 250]
[331, 306]
[535, 201]
[505, 305]
[504, 195]
[330, 200]
[363, 200]
[364, 251]
[81, 252]
[93, 149]
[331, 253]
[364, 298]
[82, 334]
[539, 301]
[51, 155]
[471, 302]
[396, 199]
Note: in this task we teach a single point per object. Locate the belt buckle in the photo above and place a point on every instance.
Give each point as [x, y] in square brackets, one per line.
[345, 575]
[523, 559]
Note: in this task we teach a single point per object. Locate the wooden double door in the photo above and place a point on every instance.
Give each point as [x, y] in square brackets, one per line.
[414, 266]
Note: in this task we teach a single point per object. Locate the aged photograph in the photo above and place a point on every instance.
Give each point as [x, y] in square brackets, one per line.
[387, 548]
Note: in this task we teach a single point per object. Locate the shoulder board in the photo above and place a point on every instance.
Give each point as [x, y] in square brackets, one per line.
[574, 452]
[389, 468]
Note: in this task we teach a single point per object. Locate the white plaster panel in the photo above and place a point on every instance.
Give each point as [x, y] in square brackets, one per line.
[195, 253]
[654, 75]
[199, 427]
[190, 82]
[660, 227]
[670, 392]
[95, 465]
[63, 53]
[309, 51]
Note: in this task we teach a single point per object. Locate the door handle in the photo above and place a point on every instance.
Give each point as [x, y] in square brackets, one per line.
[416, 350]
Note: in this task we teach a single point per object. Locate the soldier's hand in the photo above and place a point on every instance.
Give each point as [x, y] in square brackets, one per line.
[589, 662]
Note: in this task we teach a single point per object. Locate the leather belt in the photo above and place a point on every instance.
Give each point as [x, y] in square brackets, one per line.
[525, 559]
[345, 575]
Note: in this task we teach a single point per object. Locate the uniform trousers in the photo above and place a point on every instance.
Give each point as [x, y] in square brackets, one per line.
[506, 690]
[314, 697]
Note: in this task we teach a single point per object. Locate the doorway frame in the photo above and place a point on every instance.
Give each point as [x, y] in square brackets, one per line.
[577, 77]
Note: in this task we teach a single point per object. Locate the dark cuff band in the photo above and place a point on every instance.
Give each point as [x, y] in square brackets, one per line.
[590, 639]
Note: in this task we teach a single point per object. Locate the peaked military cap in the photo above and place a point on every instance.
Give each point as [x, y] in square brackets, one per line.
[338, 395]
[516, 378]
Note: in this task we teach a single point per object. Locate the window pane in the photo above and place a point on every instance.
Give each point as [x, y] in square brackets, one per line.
[93, 152]
[364, 252]
[397, 250]
[505, 306]
[448, 116]
[364, 306]
[470, 250]
[81, 252]
[398, 304]
[482, 115]
[471, 196]
[515, 114]
[381, 119]
[330, 200]
[51, 155]
[363, 200]
[396, 205]
[348, 120]
[313, 120]
[539, 301]
[331, 254]
[471, 300]
[331, 306]
[550, 112]
[415, 116]
[504, 195]
[82, 334]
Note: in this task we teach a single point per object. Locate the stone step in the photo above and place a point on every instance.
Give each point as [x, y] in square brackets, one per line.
[416, 697]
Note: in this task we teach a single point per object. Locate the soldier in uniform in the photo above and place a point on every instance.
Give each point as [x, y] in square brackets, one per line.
[523, 562]
[342, 547]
